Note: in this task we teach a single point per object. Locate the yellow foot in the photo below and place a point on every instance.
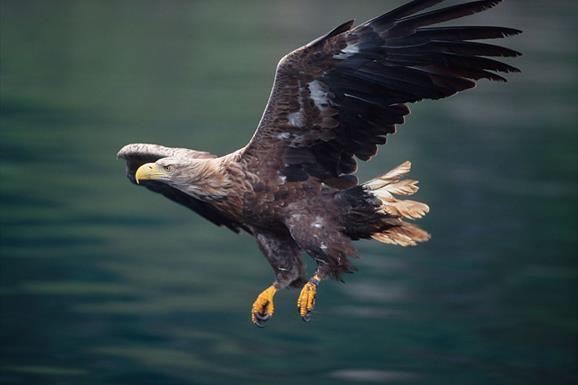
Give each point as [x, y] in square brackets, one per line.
[263, 307]
[306, 301]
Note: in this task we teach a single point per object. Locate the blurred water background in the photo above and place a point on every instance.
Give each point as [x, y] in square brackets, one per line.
[102, 282]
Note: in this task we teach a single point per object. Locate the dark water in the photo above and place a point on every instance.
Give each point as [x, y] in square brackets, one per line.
[106, 283]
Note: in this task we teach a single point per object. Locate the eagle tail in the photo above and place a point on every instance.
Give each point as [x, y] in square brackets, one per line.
[374, 211]
[393, 211]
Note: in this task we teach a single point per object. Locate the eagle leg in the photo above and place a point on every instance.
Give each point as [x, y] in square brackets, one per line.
[263, 307]
[319, 233]
[283, 255]
[307, 297]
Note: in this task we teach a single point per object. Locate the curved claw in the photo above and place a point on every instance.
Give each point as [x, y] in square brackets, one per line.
[306, 301]
[263, 308]
[259, 319]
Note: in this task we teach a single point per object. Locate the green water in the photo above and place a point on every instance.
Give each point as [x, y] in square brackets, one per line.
[102, 282]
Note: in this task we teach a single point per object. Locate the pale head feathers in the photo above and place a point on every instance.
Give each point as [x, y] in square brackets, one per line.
[202, 178]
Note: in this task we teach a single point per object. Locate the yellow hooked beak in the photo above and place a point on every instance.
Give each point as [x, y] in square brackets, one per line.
[150, 171]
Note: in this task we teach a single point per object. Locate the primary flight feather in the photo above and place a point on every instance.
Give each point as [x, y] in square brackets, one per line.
[334, 100]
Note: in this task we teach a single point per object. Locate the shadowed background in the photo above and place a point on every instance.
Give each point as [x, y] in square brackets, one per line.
[102, 282]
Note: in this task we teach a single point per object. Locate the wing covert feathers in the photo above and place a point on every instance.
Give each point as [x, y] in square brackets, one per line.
[337, 98]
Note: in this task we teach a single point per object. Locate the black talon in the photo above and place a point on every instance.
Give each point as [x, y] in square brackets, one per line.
[259, 324]
[262, 317]
[259, 320]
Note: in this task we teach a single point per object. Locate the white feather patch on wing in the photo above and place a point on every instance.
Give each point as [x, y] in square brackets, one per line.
[318, 94]
[296, 119]
[348, 51]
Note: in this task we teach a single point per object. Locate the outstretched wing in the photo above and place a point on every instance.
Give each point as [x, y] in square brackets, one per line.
[137, 154]
[339, 96]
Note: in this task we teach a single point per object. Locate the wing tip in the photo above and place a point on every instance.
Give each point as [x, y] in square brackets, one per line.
[123, 152]
[343, 27]
[514, 31]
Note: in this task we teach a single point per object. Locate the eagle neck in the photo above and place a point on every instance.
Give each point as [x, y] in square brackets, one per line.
[204, 179]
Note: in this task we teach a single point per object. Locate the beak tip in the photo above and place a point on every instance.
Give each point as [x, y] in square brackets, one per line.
[148, 171]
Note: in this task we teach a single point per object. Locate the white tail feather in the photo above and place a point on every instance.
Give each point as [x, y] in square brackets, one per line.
[406, 208]
[403, 187]
[406, 234]
[384, 188]
[389, 178]
[400, 170]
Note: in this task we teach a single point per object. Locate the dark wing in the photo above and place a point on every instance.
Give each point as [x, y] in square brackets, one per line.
[339, 96]
[138, 154]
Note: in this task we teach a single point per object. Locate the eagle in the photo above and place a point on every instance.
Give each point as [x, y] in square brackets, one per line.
[293, 186]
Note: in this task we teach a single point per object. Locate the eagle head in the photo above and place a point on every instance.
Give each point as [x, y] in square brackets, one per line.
[198, 177]
[163, 170]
